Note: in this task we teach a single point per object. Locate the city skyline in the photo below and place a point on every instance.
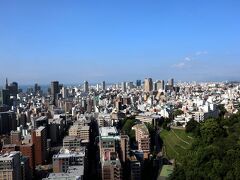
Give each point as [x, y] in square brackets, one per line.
[117, 41]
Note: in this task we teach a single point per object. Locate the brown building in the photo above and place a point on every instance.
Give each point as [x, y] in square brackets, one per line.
[15, 137]
[124, 152]
[39, 139]
[9, 148]
[28, 151]
[111, 170]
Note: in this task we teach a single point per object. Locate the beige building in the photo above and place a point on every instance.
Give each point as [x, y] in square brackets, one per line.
[10, 166]
[71, 142]
[148, 84]
[142, 138]
[79, 131]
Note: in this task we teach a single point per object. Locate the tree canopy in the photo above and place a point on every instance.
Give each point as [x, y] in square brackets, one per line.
[215, 153]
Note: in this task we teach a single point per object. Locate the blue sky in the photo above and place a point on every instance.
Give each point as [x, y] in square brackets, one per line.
[118, 40]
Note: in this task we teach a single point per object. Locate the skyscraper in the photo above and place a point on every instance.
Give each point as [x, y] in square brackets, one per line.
[13, 88]
[85, 86]
[138, 83]
[160, 85]
[124, 87]
[4, 97]
[148, 84]
[171, 82]
[103, 86]
[8, 122]
[54, 91]
[37, 88]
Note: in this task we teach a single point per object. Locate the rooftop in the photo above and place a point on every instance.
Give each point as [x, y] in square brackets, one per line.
[76, 170]
[62, 176]
[142, 127]
[42, 118]
[71, 138]
[8, 156]
[108, 131]
[65, 153]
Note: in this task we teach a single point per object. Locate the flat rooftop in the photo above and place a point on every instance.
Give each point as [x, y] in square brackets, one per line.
[71, 138]
[62, 176]
[42, 118]
[8, 156]
[76, 170]
[108, 131]
[65, 153]
[142, 127]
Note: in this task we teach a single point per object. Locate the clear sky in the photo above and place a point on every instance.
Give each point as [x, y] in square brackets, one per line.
[118, 40]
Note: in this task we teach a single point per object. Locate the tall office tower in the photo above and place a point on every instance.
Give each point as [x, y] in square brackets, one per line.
[155, 86]
[39, 139]
[97, 87]
[8, 122]
[160, 85]
[171, 82]
[37, 88]
[54, 91]
[103, 85]
[130, 85]
[124, 87]
[10, 166]
[148, 84]
[85, 86]
[13, 88]
[64, 92]
[15, 137]
[124, 152]
[5, 97]
[138, 83]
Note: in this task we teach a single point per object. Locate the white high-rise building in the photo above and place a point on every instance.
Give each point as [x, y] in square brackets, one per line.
[124, 87]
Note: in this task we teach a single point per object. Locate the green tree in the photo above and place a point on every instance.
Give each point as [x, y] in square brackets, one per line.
[193, 127]
[215, 154]
[177, 112]
[210, 130]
